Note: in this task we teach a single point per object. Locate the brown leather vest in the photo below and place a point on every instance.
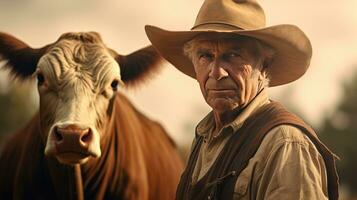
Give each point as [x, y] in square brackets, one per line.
[219, 181]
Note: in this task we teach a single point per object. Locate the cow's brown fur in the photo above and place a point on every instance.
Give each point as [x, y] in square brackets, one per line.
[139, 161]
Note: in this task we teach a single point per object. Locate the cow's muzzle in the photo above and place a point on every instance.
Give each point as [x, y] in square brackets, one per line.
[72, 144]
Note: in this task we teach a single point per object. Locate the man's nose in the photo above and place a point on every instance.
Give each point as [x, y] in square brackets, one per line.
[217, 71]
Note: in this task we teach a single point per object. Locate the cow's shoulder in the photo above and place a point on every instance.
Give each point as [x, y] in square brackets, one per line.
[155, 150]
[17, 149]
[9, 160]
[11, 152]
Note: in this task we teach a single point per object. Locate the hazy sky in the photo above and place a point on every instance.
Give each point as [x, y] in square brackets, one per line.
[171, 97]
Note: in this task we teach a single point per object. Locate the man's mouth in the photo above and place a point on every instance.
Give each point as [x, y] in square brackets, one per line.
[221, 90]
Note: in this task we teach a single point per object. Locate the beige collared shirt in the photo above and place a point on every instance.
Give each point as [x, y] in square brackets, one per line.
[286, 166]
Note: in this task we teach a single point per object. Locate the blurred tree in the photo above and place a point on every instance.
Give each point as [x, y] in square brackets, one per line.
[339, 132]
[17, 106]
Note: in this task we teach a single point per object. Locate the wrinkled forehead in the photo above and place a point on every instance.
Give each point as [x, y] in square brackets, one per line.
[225, 42]
[73, 56]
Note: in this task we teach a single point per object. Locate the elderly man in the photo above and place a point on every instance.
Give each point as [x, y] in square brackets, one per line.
[248, 147]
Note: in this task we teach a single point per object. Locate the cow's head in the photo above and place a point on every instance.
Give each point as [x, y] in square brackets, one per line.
[77, 78]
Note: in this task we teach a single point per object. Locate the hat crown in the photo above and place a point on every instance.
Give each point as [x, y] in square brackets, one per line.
[242, 14]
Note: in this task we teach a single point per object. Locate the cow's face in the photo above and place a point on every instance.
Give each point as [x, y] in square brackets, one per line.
[76, 82]
[77, 79]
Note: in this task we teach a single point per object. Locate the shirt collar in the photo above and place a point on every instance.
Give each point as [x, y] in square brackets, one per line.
[206, 125]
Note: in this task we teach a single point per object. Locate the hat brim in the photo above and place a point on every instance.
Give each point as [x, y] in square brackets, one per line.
[292, 49]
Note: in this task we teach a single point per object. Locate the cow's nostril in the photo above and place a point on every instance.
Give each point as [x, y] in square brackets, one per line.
[58, 135]
[86, 136]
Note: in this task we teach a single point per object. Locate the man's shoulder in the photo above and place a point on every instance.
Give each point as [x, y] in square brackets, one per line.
[285, 151]
[283, 142]
[281, 125]
[283, 137]
[286, 133]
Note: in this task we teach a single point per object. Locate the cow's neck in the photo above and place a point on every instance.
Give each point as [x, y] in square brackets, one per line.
[98, 173]
[102, 178]
[91, 179]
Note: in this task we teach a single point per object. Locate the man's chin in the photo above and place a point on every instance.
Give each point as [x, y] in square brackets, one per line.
[222, 105]
[72, 158]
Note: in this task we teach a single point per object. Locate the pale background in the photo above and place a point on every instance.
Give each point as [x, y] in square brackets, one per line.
[171, 97]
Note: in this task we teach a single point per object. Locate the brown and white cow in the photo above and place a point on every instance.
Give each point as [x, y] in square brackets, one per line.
[87, 140]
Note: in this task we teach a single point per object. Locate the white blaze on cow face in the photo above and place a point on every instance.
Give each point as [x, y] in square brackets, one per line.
[77, 81]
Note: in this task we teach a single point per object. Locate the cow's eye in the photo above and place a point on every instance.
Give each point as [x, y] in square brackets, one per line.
[40, 79]
[114, 85]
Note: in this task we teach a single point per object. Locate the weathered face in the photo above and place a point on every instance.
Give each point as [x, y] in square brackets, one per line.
[227, 70]
[76, 82]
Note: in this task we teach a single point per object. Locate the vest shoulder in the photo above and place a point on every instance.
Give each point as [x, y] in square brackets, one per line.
[287, 133]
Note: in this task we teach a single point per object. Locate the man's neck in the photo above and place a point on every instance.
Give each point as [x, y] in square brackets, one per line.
[223, 118]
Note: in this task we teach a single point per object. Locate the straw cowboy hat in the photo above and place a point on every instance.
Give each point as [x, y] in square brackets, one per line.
[242, 17]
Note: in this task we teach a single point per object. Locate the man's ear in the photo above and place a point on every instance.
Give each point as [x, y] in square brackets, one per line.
[267, 62]
[19, 58]
[138, 66]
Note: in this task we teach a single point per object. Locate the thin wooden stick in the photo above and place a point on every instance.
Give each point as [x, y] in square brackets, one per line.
[78, 182]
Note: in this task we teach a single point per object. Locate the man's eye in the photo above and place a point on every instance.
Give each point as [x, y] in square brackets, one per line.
[205, 56]
[233, 55]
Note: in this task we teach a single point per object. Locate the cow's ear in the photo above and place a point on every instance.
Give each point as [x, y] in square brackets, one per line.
[19, 58]
[138, 66]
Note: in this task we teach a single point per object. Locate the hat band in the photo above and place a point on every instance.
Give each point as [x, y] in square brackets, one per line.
[216, 26]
